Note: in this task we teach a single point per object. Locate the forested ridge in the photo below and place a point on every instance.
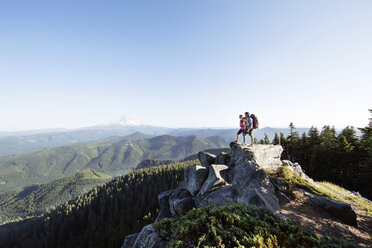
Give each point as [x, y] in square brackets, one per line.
[114, 157]
[341, 158]
[36, 199]
[103, 216]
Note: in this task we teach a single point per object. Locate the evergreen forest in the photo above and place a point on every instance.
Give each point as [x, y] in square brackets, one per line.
[342, 157]
[103, 216]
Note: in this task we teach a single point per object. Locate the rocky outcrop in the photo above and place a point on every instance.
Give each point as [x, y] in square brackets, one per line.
[214, 179]
[340, 210]
[164, 208]
[148, 238]
[267, 156]
[296, 168]
[180, 201]
[241, 179]
[130, 240]
[221, 197]
[173, 202]
[194, 177]
[206, 158]
[238, 176]
[254, 186]
[280, 190]
[223, 158]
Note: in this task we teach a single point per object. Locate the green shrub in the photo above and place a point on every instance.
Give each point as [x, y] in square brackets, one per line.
[239, 225]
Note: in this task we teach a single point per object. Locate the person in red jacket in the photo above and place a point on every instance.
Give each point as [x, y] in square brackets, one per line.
[243, 127]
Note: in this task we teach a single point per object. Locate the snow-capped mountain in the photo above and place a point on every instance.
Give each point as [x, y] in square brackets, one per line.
[122, 122]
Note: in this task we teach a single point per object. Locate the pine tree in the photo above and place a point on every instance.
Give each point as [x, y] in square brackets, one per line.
[314, 139]
[366, 141]
[293, 138]
[284, 144]
[266, 139]
[276, 140]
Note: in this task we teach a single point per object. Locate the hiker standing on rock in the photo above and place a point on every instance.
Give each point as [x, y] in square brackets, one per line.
[243, 128]
[249, 128]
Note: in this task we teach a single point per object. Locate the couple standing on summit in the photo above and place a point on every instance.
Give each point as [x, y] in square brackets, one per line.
[246, 127]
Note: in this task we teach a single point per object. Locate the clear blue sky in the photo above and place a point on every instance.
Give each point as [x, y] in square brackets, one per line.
[184, 63]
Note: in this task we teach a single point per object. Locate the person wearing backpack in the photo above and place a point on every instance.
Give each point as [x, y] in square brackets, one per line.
[249, 128]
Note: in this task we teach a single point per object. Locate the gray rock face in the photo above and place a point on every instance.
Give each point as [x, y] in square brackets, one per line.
[340, 210]
[254, 186]
[164, 208]
[206, 158]
[221, 197]
[296, 168]
[250, 185]
[283, 198]
[223, 159]
[180, 201]
[214, 180]
[242, 180]
[148, 238]
[280, 189]
[173, 202]
[279, 184]
[194, 177]
[129, 240]
[267, 156]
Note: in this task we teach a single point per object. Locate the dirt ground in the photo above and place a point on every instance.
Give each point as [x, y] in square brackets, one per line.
[322, 223]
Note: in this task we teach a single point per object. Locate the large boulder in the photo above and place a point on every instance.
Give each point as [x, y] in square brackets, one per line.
[206, 158]
[254, 186]
[148, 238]
[223, 158]
[250, 185]
[164, 208]
[340, 210]
[215, 179]
[280, 190]
[221, 197]
[194, 177]
[296, 168]
[266, 156]
[173, 202]
[180, 201]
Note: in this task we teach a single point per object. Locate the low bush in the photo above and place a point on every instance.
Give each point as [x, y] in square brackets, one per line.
[239, 225]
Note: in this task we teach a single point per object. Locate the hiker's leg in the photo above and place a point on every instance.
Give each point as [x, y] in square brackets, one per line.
[252, 140]
[244, 138]
[237, 135]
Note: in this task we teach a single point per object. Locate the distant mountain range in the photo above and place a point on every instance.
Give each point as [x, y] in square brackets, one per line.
[230, 134]
[18, 142]
[22, 144]
[36, 199]
[114, 156]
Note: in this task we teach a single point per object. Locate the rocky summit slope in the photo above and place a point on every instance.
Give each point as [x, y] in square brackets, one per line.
[249, 175]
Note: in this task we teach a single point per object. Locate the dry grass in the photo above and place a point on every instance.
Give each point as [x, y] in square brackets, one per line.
[322, 223]
[316, 219]
[348, 196]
